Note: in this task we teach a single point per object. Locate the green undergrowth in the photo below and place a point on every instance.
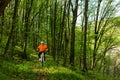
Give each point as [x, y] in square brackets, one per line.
[32, 70]
[10, 70]
[19, 69]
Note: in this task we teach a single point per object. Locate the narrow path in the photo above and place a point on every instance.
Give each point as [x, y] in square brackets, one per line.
[37, 67]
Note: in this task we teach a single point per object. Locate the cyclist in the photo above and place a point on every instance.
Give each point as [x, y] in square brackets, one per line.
[42, 48]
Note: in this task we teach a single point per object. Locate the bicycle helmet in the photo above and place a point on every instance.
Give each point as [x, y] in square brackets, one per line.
[42, 42]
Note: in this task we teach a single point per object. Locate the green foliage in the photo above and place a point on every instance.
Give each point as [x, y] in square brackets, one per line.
[11, 70]
[32, 70]
[93, 75]
[60, 73]
[2, 44]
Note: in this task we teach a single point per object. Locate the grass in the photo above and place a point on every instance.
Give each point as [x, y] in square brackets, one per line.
[60, 73]
[18, 69]
[13, 71]
[32, 70]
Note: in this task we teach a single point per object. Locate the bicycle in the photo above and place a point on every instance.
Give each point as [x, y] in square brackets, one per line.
[43, 58]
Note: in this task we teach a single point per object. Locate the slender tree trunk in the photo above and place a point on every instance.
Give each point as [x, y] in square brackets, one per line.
[66, 47]
[65, 34]
[59, 39]
[2, 25]
[13, 26]
[54, 32]
[82, 40]
[96, 35]
[27, 17]
[72, 50]
[81, 46]
[85, 36]
[51, 27]
[47, 24]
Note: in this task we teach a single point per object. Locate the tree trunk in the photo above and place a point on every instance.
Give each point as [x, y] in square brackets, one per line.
[66, 34]
[2, 25]
[13, 26]
[96, 35]
[64, 28]
[72, 49]
[54, 32]
[66, 47]
[27, 17]
[51, 28]
[85, 36]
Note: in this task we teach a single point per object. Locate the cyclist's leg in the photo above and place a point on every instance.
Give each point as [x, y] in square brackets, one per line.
[39, 55]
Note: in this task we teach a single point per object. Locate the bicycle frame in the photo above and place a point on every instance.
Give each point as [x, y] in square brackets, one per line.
[42, 58]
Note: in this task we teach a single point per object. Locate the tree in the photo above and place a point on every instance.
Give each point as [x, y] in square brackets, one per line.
[96, 33]
[72, 43]
[85, 35]
[27, 17]
[1, 29]
[13, 26]
[102, 26]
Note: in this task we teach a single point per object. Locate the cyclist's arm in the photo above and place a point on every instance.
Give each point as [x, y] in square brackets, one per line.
[46, 49]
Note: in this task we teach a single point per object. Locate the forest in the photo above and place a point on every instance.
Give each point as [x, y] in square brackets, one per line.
[82, 36]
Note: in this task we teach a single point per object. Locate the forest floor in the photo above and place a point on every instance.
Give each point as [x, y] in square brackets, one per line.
[32, 69]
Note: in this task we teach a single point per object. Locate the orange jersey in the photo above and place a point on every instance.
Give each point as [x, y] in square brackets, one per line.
[42, 48]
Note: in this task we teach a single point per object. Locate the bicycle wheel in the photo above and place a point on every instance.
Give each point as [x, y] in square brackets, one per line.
[42, 59]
